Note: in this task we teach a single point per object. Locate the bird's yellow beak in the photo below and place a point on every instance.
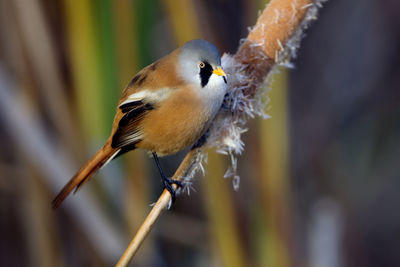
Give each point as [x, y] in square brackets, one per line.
[219, 71]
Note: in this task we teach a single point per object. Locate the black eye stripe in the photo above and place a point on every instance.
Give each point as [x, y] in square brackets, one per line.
[205, 73]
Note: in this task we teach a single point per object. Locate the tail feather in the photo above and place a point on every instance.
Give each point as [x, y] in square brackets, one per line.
[102, 157]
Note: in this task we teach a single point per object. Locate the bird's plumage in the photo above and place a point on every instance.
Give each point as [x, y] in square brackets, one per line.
[165, 108]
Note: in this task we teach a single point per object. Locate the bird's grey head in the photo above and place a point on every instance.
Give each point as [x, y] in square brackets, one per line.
[200, 64]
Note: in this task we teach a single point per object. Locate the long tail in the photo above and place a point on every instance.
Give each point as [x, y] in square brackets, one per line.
[102, 157]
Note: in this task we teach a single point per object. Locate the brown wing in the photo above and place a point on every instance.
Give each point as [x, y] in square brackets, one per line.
[128, 131]
[160, 74]
[143, 93]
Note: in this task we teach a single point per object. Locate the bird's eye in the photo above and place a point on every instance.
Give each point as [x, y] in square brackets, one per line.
[202, 65]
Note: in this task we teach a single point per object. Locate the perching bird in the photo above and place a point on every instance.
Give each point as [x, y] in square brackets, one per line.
[166, 107]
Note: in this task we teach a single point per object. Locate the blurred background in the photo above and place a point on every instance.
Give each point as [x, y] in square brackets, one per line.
[319, 180]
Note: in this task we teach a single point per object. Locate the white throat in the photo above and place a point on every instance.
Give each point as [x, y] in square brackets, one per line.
[213, 93]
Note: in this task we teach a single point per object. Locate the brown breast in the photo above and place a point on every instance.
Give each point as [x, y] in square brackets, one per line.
[178, 123]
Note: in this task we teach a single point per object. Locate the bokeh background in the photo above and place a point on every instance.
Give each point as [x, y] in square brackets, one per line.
[319, 180]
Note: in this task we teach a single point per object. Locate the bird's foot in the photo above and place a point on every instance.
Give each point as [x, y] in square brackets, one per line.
[168, 182]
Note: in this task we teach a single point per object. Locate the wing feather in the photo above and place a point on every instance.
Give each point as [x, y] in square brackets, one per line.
[128, 132]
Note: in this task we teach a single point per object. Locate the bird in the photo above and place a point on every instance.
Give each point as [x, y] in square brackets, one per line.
[166, 107]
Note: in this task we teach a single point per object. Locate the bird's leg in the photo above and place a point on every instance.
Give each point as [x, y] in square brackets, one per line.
[167, 181]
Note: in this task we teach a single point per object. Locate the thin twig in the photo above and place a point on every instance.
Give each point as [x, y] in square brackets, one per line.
[279, 22]
[162, 203]
[145, 228]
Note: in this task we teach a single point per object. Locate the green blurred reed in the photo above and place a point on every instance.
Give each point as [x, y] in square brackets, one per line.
[271, 216]
[145, 14]
[183, 20]
[274, 167]
[220, 208]
[85, 62]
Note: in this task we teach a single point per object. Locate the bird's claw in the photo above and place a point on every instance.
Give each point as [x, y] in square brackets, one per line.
[168, 182]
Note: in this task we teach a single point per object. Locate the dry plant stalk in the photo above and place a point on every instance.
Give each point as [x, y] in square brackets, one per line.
[272, 41]
[162, 203]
